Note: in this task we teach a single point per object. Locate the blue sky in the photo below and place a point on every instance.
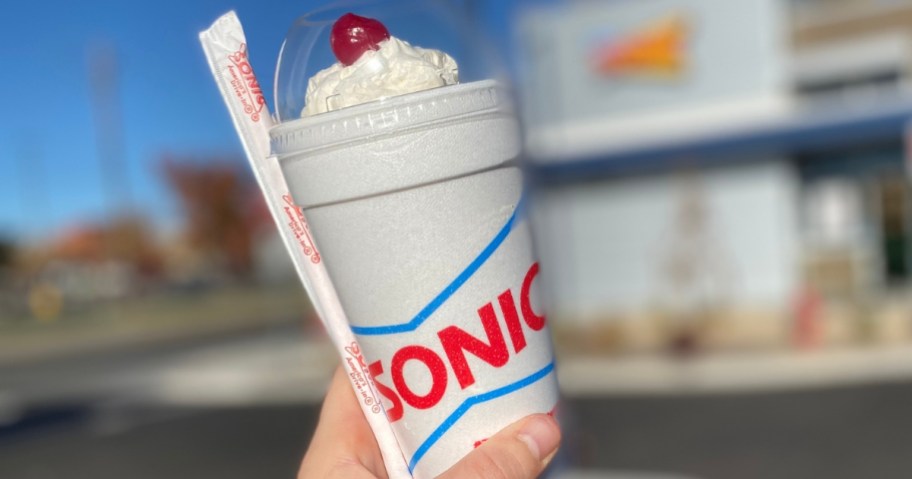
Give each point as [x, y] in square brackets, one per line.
[49, 169]
[169, 102]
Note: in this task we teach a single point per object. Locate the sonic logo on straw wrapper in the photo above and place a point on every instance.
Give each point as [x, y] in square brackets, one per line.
[245, 84]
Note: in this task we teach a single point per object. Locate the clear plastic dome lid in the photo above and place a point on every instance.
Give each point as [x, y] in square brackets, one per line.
[429, 29]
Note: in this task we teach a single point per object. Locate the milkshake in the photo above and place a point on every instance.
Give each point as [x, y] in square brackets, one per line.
[410, 185]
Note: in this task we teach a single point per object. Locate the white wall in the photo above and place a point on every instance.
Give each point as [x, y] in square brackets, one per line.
[733, 74]
[603, 245]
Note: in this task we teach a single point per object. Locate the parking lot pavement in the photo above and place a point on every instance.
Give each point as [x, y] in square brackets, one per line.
[245, 406]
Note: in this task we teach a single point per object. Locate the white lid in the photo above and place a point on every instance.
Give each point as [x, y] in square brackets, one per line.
[397, 143]
[391, 115]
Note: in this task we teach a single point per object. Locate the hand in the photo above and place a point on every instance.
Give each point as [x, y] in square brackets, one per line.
[343, 446]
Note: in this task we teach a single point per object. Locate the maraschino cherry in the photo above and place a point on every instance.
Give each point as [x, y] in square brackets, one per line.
[352, 35]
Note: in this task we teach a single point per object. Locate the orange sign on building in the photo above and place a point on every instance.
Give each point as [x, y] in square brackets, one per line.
[657, 49]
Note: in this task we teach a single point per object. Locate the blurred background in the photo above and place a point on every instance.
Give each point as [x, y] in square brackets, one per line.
[722, 203]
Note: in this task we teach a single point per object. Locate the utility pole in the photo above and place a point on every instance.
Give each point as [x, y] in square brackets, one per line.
[105, 97]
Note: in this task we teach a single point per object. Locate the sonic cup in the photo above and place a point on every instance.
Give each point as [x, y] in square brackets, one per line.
[416, 202]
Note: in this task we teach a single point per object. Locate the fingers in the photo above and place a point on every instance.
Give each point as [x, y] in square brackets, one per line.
[343, 445]
[341, 413]
[521, 451]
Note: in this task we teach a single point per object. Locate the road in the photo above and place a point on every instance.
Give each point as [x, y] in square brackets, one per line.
[849, 432]
[223, 443]
[844, 433]
[201, 428]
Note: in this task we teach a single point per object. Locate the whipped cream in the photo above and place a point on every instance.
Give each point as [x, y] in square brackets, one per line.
[396, 68]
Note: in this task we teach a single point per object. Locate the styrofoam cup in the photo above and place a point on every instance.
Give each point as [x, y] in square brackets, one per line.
[416, 205]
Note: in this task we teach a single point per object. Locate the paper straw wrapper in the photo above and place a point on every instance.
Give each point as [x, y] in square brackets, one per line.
[225, 47]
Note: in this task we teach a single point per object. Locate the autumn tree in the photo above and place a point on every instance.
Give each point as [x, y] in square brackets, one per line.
[221, 206]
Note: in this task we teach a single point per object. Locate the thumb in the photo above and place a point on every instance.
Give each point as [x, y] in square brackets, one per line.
[521, 451]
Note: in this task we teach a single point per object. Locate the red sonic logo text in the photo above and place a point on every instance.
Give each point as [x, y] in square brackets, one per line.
[246, 88]
[455, 343]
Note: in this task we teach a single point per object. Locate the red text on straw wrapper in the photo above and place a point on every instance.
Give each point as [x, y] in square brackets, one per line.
[299, 228]
[455, 343]
[359, 374]
[246, 88]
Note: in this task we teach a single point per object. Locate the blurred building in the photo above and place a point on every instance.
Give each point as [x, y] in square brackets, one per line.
[855, 55]
[710, 166]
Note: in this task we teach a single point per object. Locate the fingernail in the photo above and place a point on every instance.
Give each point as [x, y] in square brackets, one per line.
[541, 434]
